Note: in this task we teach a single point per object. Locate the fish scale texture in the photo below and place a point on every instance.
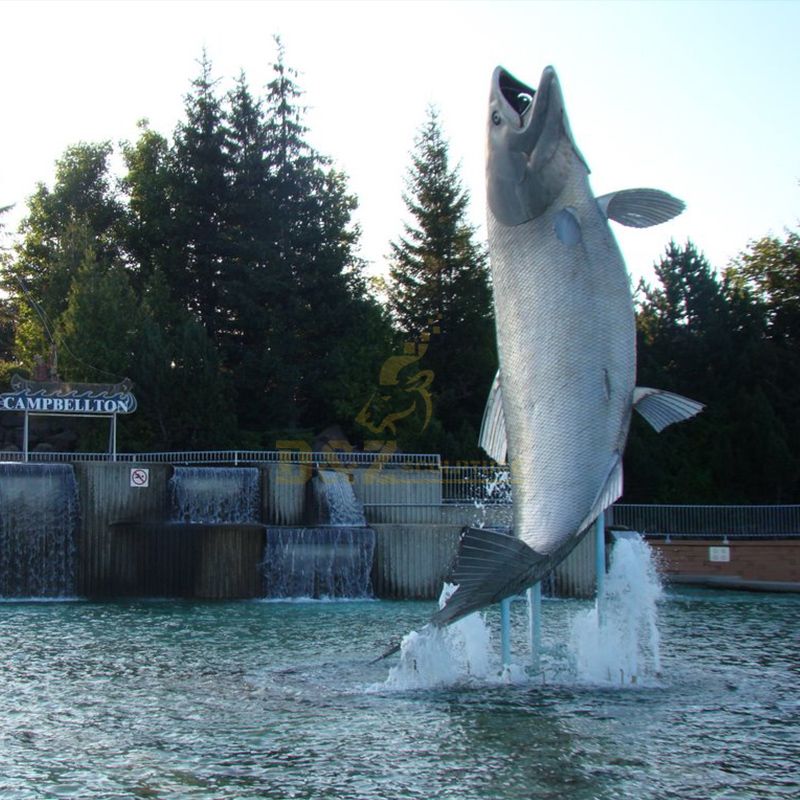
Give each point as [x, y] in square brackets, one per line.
[566, 342]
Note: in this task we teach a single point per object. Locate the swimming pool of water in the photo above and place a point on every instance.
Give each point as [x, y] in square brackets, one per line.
[167, 699]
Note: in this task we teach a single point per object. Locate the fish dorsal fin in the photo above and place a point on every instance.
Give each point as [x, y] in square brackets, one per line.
[493, 427]
[640, 208]
[608, 495]
[662, 408]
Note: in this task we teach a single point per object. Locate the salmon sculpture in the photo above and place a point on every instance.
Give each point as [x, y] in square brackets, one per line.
[561, 403]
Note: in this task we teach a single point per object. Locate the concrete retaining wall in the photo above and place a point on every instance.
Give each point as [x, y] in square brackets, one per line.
[412, 561]
[284, 489]
[215, 562]
[106, 496]
[575, 576]
[123, 543]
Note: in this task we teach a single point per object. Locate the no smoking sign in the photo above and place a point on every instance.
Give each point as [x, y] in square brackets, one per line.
[140, 478]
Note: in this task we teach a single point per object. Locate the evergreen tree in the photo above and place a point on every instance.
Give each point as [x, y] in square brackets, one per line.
[253, 289]
[201, 167]
[765, 279]
[318, 304]
[150, 233]
[184, 401]
[440, 287]
[705, 338]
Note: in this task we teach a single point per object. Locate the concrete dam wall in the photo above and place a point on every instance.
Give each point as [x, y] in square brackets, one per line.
[245, 532]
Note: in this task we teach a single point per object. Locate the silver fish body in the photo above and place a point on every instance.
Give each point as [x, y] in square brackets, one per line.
[566, 344]
[562, 403]
[566, 340]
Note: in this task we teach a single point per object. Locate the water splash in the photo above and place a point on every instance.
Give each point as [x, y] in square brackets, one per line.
[439, 657]
[622, 647]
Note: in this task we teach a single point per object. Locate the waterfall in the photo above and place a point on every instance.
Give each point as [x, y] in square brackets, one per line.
[215, 494]
[327, 561]
[38, 522]
[335, 502]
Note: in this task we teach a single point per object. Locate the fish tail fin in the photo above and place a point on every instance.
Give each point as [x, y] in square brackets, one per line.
[490, 566]
[390, 652]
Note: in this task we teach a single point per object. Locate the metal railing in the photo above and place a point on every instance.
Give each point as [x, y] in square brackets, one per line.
[331, 458]
[704, 521]
[489, 486]
[479, 485]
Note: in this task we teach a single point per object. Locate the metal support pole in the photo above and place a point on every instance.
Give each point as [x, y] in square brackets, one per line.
[535, 622]
[505, 630]
[25, 429]
[113, 438]
[600, 563]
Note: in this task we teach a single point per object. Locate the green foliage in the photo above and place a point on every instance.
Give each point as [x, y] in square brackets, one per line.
[98, 329]
[82, 208]
[224, 280]
[769, 272]
[722, 342]
[440, 294]
[221, 274]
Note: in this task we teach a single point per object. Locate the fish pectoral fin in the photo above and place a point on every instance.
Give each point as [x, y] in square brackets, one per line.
[493, 428]
[568, 227]
[662, 408]
[640, 208]
[608, 495]
[490, 565]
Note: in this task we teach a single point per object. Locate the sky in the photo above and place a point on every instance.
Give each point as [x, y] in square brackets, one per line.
[698, 98]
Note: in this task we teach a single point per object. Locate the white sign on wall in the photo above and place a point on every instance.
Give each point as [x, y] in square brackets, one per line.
[140, 477]
[719, 554]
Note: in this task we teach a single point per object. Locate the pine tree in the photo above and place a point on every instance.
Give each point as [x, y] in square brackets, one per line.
[201, 167]
[98, 329]
[440, 288]
[253, 292]
[184, 400]
[319, 308]
[706, 338]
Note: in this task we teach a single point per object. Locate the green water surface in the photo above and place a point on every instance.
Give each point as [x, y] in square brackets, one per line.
[168, 699]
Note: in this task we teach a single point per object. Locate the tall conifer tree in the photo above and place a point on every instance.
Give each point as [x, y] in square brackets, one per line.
[313, 263]
[201, 200]
[440, 288]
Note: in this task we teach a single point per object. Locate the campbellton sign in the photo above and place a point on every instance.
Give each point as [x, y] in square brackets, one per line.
[47, 397]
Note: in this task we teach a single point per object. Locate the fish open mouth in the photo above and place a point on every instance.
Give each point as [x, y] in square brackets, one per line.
[517, 95]
[525, 108]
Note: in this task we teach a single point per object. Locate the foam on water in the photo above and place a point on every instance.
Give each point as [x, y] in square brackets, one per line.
[621, 646]
[439, 657]
[618, 648]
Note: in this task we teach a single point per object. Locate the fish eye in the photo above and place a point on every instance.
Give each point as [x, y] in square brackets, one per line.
[496, 119]
[524, 102]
